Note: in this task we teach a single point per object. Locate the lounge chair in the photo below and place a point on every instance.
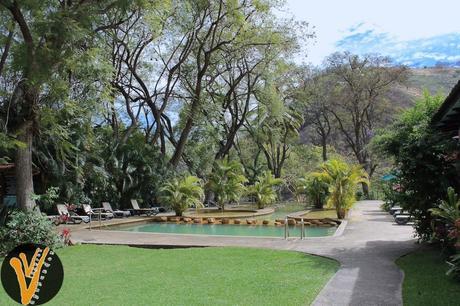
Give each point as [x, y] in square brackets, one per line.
[97, 212]
[117, 213]
[71, 216]
[143, 211]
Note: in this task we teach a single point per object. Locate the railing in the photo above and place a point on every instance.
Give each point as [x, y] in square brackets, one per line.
[286, 229]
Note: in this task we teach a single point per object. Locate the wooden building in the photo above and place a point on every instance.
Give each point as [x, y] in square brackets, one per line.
[447, 118]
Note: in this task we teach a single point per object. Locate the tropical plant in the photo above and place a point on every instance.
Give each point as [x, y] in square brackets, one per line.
[448, 210]
[263, 189]
[183, 193]
[313, 188]
[342, 180]
[29, 226]
[424, 169]
[226, 182]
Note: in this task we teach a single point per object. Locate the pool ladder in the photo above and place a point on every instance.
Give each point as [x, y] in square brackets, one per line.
[286, 229]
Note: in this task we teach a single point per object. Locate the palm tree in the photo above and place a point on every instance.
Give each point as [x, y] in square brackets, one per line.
[183, 193]
[263, 189]
[314, 188]
[227, 182]
[342, 180]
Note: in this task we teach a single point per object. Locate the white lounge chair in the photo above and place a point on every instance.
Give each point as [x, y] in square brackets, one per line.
[97, 212]
[140, 211]
[117, 213]
[72, 216]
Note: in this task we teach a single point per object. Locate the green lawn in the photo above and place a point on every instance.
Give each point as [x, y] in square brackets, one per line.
[425, 282]
[119, 275]
[321, 214]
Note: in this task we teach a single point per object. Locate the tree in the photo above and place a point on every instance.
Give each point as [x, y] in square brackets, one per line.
[342, 180]
[226, 182]
[316, 94]
[183, 193]
[360, 106]
[52, 35]
[263, 189]
[275, 122]
[423, 165]
[313, 188]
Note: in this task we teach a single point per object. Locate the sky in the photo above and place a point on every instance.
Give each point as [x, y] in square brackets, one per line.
[413, 32]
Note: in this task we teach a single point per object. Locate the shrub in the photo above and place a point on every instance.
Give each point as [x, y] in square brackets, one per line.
[313, 188]
[342, 180]
[181, 194]
[424, 166]
[263, 189]
[28, 227]
[227, 182]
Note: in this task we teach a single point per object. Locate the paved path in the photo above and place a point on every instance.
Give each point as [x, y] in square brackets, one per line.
[366, 250]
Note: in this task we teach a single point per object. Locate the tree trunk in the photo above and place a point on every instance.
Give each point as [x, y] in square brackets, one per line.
[23, 166]
[324, 147]
[365, 190]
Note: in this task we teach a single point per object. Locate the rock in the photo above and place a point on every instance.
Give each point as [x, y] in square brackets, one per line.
[281, 221]
[265, 222]
[188, 220]
[197, 220]
[251, 221]
[291, 222]
[211, 220]
[277, 223]
[332, 223]
[316, 222]
[163, 219]
[307, 223]
[236, 221]
[174, 219]
[225, 221]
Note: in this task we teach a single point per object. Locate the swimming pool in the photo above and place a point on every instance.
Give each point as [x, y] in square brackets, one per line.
[225, 229]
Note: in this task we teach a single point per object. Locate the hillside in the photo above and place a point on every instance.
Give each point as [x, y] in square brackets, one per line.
[435, 80]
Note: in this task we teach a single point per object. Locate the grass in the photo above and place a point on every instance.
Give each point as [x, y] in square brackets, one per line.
[425, 280]
[321, 214]
[120, 275]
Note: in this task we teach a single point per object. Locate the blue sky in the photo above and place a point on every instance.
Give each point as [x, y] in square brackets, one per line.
[416, 33]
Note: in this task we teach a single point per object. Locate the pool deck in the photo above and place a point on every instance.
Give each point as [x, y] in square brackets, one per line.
[367, 250]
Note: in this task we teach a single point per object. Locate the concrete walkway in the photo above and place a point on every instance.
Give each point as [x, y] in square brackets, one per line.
[366, 250]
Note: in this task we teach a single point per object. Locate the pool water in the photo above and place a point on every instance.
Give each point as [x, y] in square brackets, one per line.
[226, 229]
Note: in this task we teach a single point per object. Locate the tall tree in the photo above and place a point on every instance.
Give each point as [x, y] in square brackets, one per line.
[360, 104]
[51, 34]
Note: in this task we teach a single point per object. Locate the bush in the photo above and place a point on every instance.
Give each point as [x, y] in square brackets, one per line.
[424, 166]
[28, 227]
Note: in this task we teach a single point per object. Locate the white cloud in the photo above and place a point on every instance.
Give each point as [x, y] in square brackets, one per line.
[398, 20]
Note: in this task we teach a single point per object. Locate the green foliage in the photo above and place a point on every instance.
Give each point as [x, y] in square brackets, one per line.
[421, 154]
[227, 182]
[48, 199]
[263, 189]
[454, 266]
[314, 188]
[183, 193]
[120, 171]
[342, 180]
[28, 227]
[449, 209]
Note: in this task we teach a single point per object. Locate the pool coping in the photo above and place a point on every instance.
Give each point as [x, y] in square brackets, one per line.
[254, 213]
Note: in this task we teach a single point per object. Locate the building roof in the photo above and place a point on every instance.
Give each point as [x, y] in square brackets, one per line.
[447, 117]
[8, 169]
[5, 167]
